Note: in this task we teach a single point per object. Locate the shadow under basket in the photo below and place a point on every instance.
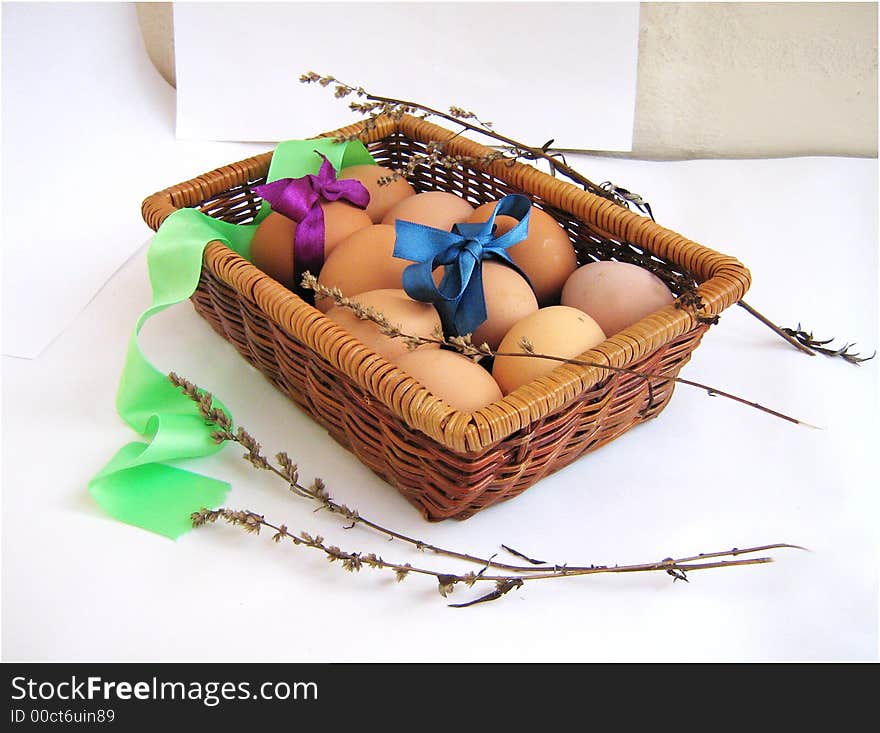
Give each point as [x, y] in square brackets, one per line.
[446, 462]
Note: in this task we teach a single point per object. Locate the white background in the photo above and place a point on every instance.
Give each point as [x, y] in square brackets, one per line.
[706, 475]
[88, 133]
[527, 67]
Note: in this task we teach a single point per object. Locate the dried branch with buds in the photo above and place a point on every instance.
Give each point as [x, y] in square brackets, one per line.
[375, 106]
[465, 346]
[515, 576]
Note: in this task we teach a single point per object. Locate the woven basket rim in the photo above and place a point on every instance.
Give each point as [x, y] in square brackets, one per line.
[723, 281]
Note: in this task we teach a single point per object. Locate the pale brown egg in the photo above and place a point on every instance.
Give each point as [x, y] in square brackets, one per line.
[454, 378]
[382, 198]
[615, 294]
[411, 316]
[272, 245]
[509, 299]
[272, 248]
[555, 331]
[546, 255]
[436, 209]
[363, 261]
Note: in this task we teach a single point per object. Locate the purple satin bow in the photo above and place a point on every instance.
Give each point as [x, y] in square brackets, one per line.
[300, 199]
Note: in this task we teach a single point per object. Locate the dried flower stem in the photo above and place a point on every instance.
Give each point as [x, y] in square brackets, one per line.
[399, 107]
[464, 346]
[354, 561]
[317, 492]
[776, 329]
[378, 105]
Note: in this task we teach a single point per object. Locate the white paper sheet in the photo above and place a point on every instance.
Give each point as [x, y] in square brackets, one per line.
[88, 133]
[536, 70]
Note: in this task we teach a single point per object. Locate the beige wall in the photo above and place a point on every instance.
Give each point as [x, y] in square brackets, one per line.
[157, 28]
[725, 79]
[756, 79]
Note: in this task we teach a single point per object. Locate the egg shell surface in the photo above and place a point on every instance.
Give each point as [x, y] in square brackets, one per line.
[454, 378]
[615, 294]
[363, 261]
[509, 299]
[382, 198]
[556, 330]
[413, 317]
[272, 245]
[436, 209]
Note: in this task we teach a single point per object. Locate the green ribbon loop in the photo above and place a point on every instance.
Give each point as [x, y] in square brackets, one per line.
[136, 486]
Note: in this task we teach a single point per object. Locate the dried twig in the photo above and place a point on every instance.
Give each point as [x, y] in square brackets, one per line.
[512, 150]
[773, 327]
[317, 492]
[464, 346]
[352, 561]
[252, 523]
[378, 105]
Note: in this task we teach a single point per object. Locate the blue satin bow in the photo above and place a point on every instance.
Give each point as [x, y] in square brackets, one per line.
[459, 299]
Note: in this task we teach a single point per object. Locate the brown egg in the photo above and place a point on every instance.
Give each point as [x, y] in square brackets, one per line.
[615, 294]
[363, 261]
[509, 299]
[382, 198]
[437, 209]
[556, 331]
[341, 219]
[272, 248]
[272, 245]
[411, 316]
[462, 383]
[546, 255]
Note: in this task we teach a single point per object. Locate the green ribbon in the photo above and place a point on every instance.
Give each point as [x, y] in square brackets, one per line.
[137, 486]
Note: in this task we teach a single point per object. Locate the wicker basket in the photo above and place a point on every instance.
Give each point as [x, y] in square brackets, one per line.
[446, 462]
